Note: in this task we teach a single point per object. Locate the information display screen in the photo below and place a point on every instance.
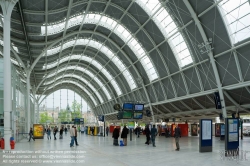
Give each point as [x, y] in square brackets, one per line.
[233, 130]
[127, 115]
[139, 107]
[222, 129]
[206, 130]
[128, 106]
[138, 115]
[76, 121]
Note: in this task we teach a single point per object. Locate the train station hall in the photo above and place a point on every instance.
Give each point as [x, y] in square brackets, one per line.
[124, 82]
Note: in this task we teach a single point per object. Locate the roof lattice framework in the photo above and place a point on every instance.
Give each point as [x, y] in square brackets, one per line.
[113, 51]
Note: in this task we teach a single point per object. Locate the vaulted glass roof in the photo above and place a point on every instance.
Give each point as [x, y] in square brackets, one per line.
[169, 29]
[154, 51]
[111, 24]
[104, 49]
[83, 70]
[236, 14]
[90, 60]
[79, 78]
[76, 84]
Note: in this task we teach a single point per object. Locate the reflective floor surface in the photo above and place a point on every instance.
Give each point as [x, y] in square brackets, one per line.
[99, 151]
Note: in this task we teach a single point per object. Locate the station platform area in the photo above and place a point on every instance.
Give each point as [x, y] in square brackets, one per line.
[99, 151]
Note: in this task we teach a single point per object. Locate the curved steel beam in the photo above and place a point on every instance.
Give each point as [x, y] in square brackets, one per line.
[210, 54]
[73, 80]
[74, 76]
[106, 83]
[66, 86]
[234, 102]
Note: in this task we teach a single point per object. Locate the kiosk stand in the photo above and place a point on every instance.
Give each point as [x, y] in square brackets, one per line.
[232, 137]
[205, 135]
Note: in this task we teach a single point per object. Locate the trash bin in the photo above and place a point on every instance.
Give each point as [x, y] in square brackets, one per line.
[12, 144]
[2, 143]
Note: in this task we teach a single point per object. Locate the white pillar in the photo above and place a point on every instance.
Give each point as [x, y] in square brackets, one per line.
[14, 107]
[28, 98]
[34, 102]
[38, 115]
[7, 7]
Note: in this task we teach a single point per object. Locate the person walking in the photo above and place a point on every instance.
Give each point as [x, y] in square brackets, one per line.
[48, 133]
[107, 131]
[159, 130]
[55, 132]
[72, 135]
[116, 136]
[76, 137]
[137, 131]
[177, 135]
[65, 130]
[31, 134]
[147, 132]
[153, 135]
[124, 135]
[93, 130]
[61, 133]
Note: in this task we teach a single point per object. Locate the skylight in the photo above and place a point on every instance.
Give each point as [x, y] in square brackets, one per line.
[105, 50]
[236, 14]
[90, 60]
[79, 78]
[166, 24]
[79, 86]
[112, 25]
[84, 80]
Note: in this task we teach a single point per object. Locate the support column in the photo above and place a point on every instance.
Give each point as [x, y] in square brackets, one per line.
[38, 115]
[34, 102]
[28, 98]
[7, 7]
[14, 106]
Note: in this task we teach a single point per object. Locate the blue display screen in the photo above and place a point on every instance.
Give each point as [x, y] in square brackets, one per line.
[139, 107]
[138, 115]
[128, 106]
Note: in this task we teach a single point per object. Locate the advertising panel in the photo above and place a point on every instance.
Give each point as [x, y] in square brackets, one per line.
[38, 130]
[194, 129]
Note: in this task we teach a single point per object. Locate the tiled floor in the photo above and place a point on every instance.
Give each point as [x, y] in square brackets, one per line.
[95, 151]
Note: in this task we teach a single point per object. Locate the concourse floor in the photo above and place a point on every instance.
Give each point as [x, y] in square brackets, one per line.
[99, 151]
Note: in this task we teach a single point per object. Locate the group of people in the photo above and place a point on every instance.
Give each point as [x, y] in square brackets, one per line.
[153, 133]
[116, 134]
[55, 131]
[150, 135]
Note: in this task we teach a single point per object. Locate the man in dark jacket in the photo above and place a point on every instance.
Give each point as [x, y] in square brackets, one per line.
[116, 134]
[31, 134]
[177, 135]
[124, 135]
[153, 135]
[147, 132]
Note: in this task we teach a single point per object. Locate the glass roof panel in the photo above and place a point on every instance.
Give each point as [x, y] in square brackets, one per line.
[77, 84]
[236, 15]
[165, 23]
[91, 61]
[109, 23]
[80, 78]
[103, 49]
